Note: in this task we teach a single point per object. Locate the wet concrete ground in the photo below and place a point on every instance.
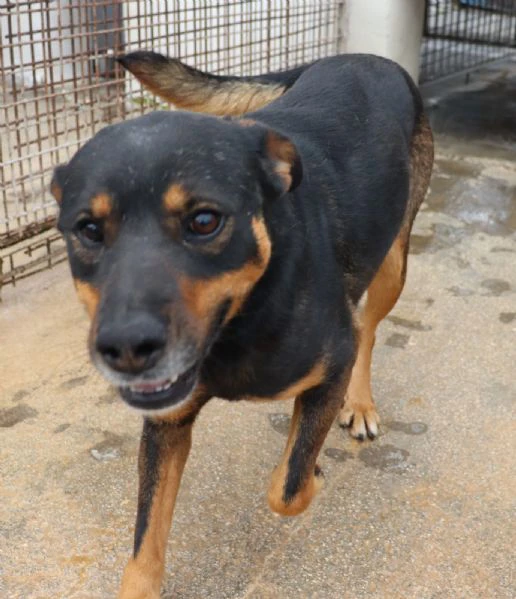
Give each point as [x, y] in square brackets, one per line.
[426, 511]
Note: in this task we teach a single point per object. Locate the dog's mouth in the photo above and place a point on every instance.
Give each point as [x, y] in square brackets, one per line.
[160, 394]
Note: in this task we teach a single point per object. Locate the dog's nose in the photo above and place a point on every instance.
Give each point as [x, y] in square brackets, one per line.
[132, 346]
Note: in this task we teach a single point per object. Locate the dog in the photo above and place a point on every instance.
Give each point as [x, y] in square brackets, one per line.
[249, 253]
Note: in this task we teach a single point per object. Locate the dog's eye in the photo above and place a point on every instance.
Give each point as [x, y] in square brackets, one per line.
[205, 223]
[89, 231]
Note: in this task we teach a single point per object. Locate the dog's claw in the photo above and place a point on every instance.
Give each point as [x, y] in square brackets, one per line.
[362, 420]
[345, 418]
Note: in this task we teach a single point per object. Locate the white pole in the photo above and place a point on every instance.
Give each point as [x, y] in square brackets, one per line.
[390, 28]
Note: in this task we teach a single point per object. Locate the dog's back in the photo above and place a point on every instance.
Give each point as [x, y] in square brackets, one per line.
[352, 119]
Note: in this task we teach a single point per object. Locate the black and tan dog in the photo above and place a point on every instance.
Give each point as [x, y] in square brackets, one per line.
[227, 256]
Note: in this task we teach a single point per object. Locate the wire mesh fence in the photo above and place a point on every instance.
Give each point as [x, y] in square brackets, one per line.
[461, 34]
[60, 84]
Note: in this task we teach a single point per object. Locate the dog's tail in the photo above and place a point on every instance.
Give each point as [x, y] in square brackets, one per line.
[195, 90]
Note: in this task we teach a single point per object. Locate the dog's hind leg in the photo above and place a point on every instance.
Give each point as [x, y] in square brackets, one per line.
[359, 412]
[164, 450]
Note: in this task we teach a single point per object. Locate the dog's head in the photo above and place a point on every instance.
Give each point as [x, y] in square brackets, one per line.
[163, 220]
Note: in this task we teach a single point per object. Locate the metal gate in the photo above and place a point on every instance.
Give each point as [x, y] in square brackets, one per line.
[60, 84]
[461, 34]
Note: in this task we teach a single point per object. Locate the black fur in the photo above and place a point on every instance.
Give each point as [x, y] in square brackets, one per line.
[149, 458]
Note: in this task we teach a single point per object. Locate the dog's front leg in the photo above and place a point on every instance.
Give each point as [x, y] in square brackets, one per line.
[297, 478]
[164, 449]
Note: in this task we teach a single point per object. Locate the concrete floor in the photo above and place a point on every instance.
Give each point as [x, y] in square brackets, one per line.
[426, 511]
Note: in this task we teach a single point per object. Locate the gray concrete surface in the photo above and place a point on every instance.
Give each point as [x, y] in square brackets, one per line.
[426, 511]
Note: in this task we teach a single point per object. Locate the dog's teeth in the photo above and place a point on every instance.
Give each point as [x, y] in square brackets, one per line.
[148, 388]
[160, 388]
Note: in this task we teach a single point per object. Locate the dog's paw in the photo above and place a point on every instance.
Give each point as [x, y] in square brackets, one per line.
[138, 582]
[361, 418]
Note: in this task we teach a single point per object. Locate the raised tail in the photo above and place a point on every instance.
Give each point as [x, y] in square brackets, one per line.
[195, 90]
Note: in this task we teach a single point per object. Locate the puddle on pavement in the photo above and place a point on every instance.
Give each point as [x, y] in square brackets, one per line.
[111, 448]
[19, 395]
[61, 427]
[470, 113]
[484, 204]
[11, 416]
[339, 455]
[385, 457]
[75, 382]
[495, 287]
[280, 423]
[413, 325]
[397, 340]
[446, 169]
[460, 291]
[108, 398]
[441, 237]
[482, 196]
[409, 428]
[507, 317]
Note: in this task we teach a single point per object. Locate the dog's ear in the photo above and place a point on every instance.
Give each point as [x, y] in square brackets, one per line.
[56, 185]
[284, 161]
[280, 163]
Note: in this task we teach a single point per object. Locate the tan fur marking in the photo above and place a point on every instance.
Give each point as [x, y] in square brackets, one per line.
[277, 485]
[246, 122]
[263, 241]
[233, 99]
[301, 500]
[102, 208]
[88, 295]
[314, 431]
[283, 153]
[186, 411]
[312, 379]
[101, 205]
[175, 198]
[383, 292]
[56, 191]
[421, 163]
[280, 148]
[143, 574]
[195, 91]
[203, 296]
[280, 473]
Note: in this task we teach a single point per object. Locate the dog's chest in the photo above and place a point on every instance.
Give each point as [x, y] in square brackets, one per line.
[280, 369]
